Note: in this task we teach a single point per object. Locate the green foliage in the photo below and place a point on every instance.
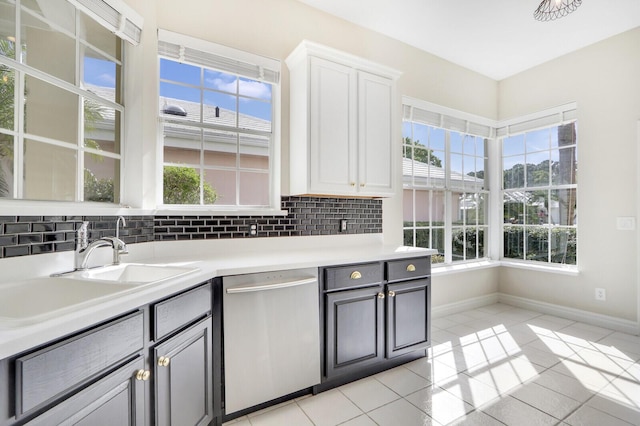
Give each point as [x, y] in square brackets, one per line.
[181, 185]
[563, 243]
[95, 189]
[420, 152]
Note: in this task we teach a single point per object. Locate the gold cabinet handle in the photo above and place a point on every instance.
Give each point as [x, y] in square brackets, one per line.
[353, 184]
[164, 361]
[381, 295]
[362, 185]
[143, 375]
[411, 268]
[356, 275]
[392, 293]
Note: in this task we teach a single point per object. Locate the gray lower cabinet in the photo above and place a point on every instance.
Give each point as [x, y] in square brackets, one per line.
[152, 366]
[354, 329]
[375, 315]
[183, 377]
[116, 399]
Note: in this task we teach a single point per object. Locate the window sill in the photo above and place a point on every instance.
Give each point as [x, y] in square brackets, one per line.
[463, 267]
[555, 269]
[203, 211]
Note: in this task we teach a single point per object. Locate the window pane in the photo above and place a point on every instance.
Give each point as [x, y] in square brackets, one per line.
[538, 140]
[179, 102]
[563, 207]
[181, 144]
[538, 169]
[101, 75]
[181, 185]
[457, 208]
[564, 135]
[101, 178]
[254, 89]
[513, 172]
[469, 145]
[50, 111]
[98, 36]
[7, 29]
[537, 208]
[49, 172]
[220, 148]
[254, 152]
[457, 244]
[563, 246]
[565, 166]
[437, 139]
[220, 108]
[408, 238]
[254, 115]
[513, 145]
[513, 242]
[407, 208]
[47, 49]
[6, 166]
[537, 243]
[175, 71]
[101, 127]
[482, 201]
[513, 203]
[254, 189]
[221, 81]
[64, 13]
[421, 136]
[224, 183]
[7, 92]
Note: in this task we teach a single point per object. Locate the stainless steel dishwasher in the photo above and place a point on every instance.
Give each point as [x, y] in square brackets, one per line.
[271, 336]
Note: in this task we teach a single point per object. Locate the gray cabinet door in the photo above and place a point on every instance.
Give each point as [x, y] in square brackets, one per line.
[184, 377]
[408, 316]
[354, 326]
[117, 399]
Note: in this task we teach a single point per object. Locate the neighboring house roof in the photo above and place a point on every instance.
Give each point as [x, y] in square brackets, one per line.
[424, 174]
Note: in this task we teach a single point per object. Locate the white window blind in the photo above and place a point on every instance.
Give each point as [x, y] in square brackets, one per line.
[114, 15]
[551, 117]
[199, 52]
[437, 116]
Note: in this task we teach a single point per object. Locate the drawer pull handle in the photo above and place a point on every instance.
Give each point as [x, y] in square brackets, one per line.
[356, 275]
[164, 361]
[353, 184]
[381, 295]
[392, 293]
[411, 268]
[143, 375]
[363, 185]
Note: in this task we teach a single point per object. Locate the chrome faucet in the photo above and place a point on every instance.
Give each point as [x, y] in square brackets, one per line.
[84, 250]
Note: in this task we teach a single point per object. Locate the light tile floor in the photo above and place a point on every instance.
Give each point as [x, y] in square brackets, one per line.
[490, 366]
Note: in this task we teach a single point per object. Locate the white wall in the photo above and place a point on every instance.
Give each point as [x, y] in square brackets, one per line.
[274, 28]
[604, 80]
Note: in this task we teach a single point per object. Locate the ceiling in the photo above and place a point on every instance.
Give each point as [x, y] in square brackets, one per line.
[497, 38]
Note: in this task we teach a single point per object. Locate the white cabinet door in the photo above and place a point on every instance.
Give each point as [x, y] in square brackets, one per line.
[333, 128]
[375, 136]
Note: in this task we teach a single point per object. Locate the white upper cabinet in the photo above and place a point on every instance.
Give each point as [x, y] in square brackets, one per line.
[343, 124]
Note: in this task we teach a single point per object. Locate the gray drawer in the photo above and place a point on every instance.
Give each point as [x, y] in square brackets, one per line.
[407, 269]
[352, 276]
[179, 311]
[49, 373]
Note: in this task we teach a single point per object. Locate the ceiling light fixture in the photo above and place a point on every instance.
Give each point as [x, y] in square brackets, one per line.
[554, 9]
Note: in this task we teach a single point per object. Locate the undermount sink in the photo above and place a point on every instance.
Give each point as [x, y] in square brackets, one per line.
[131, 273]
[27, 302]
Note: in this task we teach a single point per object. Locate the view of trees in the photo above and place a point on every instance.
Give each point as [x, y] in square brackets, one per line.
[7, 48]
[181, 185]
[420, 152]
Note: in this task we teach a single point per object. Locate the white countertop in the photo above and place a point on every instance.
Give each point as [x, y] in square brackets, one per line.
[211, 258]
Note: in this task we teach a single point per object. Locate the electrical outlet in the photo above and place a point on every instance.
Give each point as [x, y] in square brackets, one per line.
[343, 225]
[253, 229]
[601, 294]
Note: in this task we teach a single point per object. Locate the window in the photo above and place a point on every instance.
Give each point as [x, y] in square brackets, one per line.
[60, 103]
[218, 108]
[445, 195]
[539, 186]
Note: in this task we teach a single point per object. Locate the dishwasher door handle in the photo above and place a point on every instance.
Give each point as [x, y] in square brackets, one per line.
[250, 288]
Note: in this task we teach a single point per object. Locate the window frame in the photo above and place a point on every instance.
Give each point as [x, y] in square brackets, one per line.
[19, 205]
[272, 70]
[451, 121]
[542, 120]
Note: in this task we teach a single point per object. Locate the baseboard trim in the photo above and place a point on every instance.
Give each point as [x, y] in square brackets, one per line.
[600, 320]
[463, 305]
